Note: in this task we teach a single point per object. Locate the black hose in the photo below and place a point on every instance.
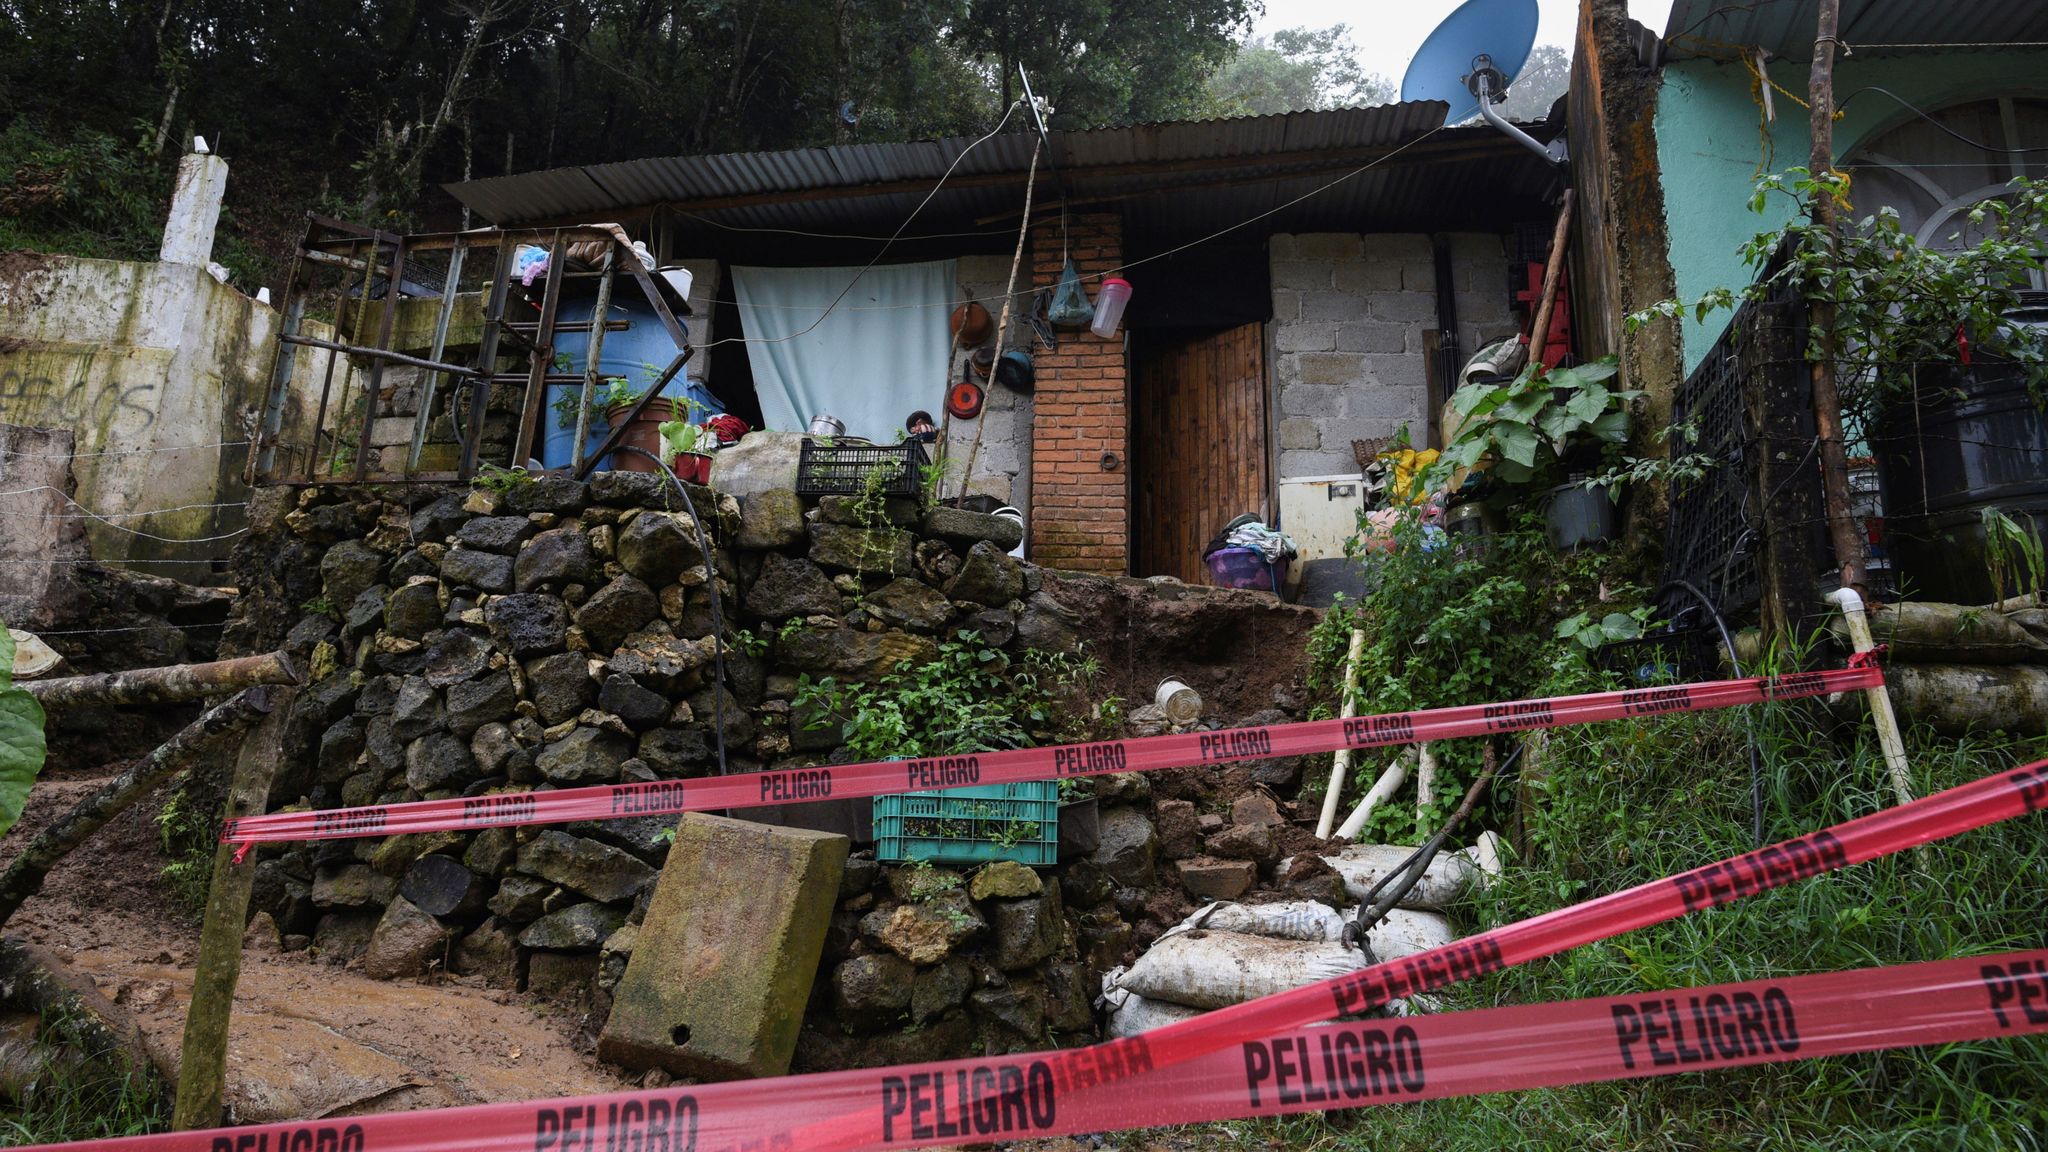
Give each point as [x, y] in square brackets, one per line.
[717, 616]
[1409, 872]
[1756, 771]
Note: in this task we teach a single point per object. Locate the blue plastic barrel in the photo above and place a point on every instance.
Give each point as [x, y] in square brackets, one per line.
[640, 352]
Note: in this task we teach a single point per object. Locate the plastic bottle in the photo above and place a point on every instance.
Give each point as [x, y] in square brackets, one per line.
[1109, 306]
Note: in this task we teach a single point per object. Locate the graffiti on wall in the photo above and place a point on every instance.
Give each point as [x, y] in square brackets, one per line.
[82, 403]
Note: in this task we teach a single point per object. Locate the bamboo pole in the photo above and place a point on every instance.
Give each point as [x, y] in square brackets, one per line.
[24, 878]
[202, 1066]
[1340, 763]
[1827, 403]
[1553, 272]
[1009, 297]
[164, 685]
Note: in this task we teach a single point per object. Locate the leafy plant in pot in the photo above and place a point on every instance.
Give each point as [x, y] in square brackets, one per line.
[681, 441]
[1942, 359]
[645, 430]
[1548, 428]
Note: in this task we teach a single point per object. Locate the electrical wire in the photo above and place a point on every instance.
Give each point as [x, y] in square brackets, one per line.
[89, 514]
[883, 251]
[1925, 115]
[121, 452]
[1409, 872]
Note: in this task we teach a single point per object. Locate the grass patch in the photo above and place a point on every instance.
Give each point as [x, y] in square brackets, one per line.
[1623, 804]
[90, 1100]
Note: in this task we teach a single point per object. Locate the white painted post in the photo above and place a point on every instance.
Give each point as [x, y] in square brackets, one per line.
[1340, 763]
[1888, 736]
[195, 210]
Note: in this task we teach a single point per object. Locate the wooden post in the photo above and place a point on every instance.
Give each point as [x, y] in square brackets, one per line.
[24, 877]
[1553, 270]
[164, 685]
[202, 1068]
[1827, 403]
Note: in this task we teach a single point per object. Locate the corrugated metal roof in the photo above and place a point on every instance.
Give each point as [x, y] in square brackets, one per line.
[1868, 27]
[1166, 178]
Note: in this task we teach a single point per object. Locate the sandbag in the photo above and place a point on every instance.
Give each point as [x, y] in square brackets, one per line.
[1131, 1014]
[1444, 882]
[1286, 920]
[1203, 969]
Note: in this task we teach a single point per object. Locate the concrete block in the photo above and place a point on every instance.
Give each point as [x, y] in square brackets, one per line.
[1299, 432]
[1368, 276]
[1367, 336]
[1478, 248]
[717, 984]
[1286, 303]
[1420, 276]
[1303, 337]
[1329, 246]
[1310, 400]
[1302, 273]
[1390, 371]
[1294, 464]
[1403, 306]
[1332, 305]
[195, 210]
[1332, 367]
[1282, 247]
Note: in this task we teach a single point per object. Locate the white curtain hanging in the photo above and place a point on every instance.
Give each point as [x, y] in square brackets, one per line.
[877, 357]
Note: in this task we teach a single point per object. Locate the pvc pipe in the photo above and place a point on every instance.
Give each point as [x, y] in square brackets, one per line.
[1425, 786]
[1340, 764]
[1888, 736]
[1383, 788]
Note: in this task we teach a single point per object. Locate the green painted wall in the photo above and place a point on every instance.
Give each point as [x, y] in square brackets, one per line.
[1709, 147]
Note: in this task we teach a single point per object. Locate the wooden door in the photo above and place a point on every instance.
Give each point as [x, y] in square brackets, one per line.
[1198, 437]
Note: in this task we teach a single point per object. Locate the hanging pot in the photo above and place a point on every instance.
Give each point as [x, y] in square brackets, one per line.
[971, 324]
[1016, 372]
[982, 361]
[963, 400]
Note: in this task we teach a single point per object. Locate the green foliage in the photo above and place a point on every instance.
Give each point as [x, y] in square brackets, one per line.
[1898, 302]
[22, 744]
[971, 698]
[492, 478]
[1448, 624]
[318, 606]
[927, 882]
[2013, 554]
[1536, 422]
[70, 1100]
[186, 834]
[1295, 69]
[78, 191]
[1581, 628]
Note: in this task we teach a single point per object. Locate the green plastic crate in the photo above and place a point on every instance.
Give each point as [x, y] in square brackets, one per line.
[1018, 822]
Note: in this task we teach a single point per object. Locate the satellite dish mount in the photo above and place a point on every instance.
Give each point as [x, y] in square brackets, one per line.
[1489, 87]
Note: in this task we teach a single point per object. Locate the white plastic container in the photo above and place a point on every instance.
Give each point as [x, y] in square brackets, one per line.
[1109, 306]
[1182, 704]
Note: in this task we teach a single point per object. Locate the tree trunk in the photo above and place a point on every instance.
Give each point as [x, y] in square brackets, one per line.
[24, 878]
[164, 685]
[202, 1063]
[1827, 404]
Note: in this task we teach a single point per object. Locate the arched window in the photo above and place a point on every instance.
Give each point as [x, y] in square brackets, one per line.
[1933, 178]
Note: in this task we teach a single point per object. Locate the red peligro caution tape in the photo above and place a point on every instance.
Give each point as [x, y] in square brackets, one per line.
[1304, 1070]
[1262, 1057]
[1140, 754]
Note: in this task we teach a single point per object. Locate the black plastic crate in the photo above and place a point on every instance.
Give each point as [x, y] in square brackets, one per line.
[1679, 655]
[838, 469]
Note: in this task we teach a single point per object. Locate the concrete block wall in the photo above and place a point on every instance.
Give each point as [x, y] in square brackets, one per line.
[1080, 444]
[1002, 468]
[1349, 314]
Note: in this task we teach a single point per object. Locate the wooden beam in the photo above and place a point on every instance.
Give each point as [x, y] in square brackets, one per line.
[202, 1066]
[164, 685]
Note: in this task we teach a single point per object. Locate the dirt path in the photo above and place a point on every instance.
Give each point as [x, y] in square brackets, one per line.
[308, 1039]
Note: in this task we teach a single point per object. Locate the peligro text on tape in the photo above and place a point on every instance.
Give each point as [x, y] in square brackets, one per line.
[1318, 1068]
[1139, 754]
[2001, 796]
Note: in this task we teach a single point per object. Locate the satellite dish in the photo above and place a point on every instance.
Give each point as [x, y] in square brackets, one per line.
[1502, 29]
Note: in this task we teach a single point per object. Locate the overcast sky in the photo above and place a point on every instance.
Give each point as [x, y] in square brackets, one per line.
[1388, 32]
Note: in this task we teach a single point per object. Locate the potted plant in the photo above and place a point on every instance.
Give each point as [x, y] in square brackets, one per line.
[645, 430]
[682, 442]
[1941, 362]
[1544, 428]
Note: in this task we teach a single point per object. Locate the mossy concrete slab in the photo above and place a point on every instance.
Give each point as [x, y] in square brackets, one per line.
[719, 978]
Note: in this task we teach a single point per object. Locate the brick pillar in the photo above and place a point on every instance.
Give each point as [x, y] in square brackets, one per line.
[1080, 510]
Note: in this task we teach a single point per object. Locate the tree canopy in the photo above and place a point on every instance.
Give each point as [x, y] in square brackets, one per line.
[1295, 70]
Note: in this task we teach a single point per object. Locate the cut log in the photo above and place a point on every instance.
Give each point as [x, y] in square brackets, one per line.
[164, 685]
[24, 878]
[1958, 698]
[1929, 633]
[440, 886]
